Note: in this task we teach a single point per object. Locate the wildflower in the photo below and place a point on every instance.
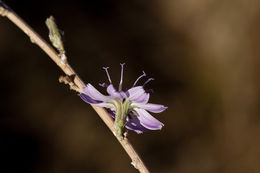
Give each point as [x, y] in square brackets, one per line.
[129, 108]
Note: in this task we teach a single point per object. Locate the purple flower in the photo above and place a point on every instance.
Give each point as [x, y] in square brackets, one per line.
[129, 108]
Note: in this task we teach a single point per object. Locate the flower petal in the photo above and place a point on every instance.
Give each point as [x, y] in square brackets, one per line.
[155, 108]
[112, 92]
[147, 120]
[136, 93]
[95, 94]
[89, 100]
[133, 123]
[144, 98]
[111, 113]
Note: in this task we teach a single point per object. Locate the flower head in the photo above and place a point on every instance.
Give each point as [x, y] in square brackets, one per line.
[128, 108]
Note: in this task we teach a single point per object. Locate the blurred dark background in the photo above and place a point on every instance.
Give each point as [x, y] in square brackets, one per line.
[203, 54]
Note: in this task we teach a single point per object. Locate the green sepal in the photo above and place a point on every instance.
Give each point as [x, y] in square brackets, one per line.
[121, 112]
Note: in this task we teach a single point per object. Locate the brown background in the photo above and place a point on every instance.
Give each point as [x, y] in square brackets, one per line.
[203, 54]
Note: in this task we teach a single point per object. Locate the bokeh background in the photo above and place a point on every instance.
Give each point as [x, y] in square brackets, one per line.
[203, 54]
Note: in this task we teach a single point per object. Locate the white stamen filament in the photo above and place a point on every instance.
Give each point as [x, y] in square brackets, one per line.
[108, 76]
[150, 79]
[121, 79]
[143, 75]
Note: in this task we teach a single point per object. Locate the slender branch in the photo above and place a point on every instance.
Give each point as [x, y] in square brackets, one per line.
[68, 70]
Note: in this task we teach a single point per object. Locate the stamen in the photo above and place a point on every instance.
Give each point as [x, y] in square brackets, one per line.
[108, 76]
[121, 79]
[143, 75]
[150, 79]
[103, 85]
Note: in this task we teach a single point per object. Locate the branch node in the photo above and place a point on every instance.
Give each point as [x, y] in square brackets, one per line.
[125, 134]
[32, 40]
[69, 80]
[3, 11]
[63, 58]
[134, 164]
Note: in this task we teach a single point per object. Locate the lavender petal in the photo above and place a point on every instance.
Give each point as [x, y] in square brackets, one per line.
[88, 100]
[155, 108]
[133, 123]
[111, 113]
[112, 92]
[147, 120]
[92, 92]
[123, 94]
[135, 93]
[144, 98]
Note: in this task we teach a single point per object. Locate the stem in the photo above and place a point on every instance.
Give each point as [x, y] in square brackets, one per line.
[68, 70]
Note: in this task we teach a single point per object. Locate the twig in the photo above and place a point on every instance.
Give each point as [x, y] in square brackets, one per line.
[68, 70]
